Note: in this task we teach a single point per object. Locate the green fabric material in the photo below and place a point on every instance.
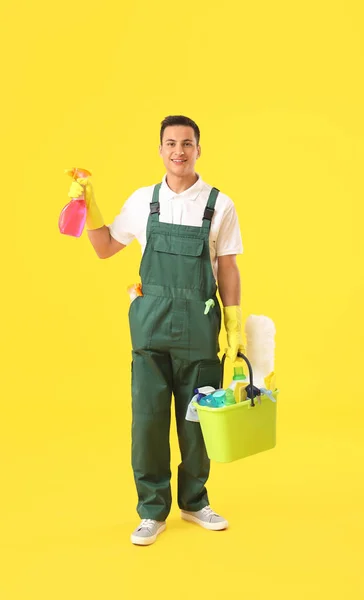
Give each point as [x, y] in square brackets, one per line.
[175, 347]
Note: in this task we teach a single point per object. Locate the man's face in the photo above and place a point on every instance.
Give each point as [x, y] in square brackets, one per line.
[179, 150]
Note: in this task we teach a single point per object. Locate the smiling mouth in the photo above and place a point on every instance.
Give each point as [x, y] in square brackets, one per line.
[178, 161]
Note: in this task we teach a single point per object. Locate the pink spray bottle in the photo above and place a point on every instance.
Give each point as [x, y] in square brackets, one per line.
[73, 216]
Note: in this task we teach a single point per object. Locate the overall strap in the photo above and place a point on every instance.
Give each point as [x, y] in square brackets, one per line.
[210, 208]
[154, 205]
[154, 208]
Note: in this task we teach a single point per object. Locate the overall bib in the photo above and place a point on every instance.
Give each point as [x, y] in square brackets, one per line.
[175, 347]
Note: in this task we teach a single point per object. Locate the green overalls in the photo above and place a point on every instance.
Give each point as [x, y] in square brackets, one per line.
[175, 348]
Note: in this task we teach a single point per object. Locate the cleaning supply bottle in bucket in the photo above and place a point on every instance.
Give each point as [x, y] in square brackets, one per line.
[229, 397]
[73, 216]
[207, 400]
[212, 400]
[239, 383]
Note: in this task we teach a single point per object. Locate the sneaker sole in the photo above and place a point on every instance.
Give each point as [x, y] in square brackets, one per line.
[211, 526]
[147, 541]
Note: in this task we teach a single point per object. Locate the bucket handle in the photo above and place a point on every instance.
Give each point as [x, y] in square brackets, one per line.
[241, 355]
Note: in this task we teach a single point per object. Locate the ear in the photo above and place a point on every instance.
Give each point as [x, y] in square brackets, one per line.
[160, 150]
[198, 151]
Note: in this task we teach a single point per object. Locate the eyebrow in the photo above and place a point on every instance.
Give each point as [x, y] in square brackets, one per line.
[172, 140]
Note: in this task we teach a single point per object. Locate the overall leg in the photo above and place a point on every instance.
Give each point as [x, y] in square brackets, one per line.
[151, 408]
[194, 469]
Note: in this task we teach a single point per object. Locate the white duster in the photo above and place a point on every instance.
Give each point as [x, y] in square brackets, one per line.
[260, 344]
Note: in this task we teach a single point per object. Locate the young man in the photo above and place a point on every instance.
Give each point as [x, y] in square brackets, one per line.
[190, 237]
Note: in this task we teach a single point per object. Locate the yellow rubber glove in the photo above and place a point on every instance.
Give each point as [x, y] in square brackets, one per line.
[232, 320]
[83, 186]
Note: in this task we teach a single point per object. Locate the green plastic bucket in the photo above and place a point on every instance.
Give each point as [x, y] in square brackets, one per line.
[240, 430]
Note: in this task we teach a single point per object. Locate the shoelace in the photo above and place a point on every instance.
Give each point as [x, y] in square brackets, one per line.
[146, 523]
[209, 512]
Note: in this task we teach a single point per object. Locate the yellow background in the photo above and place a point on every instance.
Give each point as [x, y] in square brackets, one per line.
[276, 88]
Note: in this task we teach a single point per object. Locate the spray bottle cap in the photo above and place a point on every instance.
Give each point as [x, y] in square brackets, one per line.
[76, 173]
[239, 374]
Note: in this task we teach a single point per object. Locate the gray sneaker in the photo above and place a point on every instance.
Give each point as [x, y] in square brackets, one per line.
[207, 518]
[147, 532]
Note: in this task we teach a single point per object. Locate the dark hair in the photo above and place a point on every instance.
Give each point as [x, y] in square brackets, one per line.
[179, 120]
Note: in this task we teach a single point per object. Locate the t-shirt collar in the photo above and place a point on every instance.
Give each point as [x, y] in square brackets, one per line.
[190, 194]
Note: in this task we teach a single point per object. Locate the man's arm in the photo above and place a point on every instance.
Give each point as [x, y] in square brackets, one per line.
[229, 287]
[228, 278]
[99, 234]
[104, 244]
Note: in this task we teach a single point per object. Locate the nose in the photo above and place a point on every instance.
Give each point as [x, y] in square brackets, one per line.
[180, 151]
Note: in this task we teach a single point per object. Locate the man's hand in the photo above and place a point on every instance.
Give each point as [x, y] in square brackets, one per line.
[229, 289]
[83, 187]
[232, 320]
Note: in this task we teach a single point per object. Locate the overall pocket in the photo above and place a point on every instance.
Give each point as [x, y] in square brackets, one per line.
[177, 261]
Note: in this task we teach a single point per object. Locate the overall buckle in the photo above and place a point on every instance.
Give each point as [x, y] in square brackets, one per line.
[154, 208]
[209, 213]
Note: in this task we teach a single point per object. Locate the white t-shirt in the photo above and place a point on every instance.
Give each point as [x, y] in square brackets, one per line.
[186, 208]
